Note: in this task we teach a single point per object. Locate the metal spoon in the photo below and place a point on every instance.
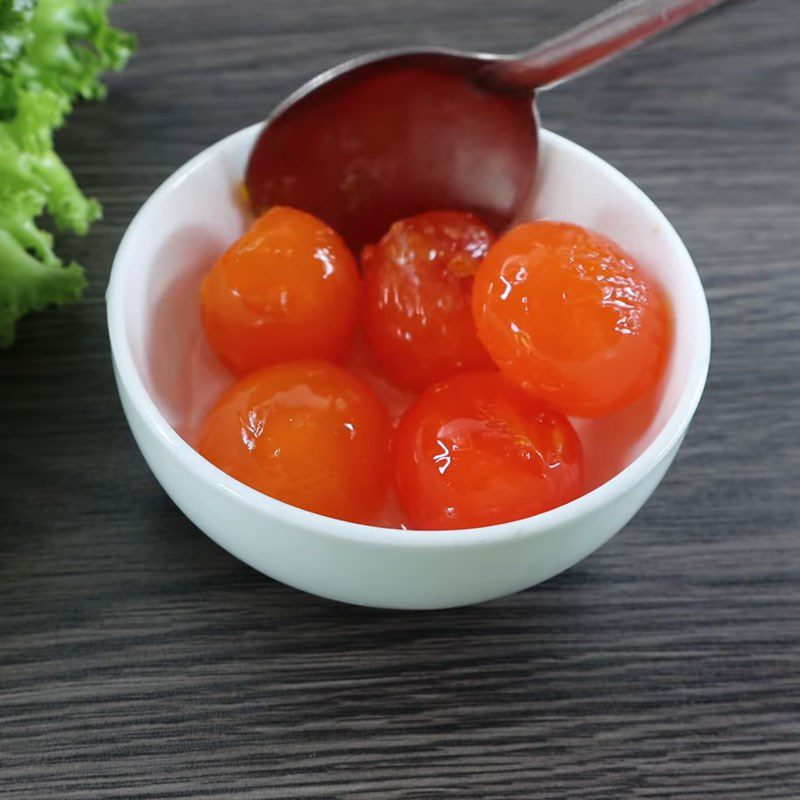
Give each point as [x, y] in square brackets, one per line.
[396, 133]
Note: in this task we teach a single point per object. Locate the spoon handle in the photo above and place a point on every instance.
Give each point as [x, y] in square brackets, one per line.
[619, 28]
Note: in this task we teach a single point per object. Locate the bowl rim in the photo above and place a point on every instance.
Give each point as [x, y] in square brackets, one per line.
[130, 381]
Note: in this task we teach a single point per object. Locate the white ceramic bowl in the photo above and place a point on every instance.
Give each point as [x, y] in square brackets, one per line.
[160, 360]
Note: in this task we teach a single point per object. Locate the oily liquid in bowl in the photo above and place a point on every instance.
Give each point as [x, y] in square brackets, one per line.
[609, 443]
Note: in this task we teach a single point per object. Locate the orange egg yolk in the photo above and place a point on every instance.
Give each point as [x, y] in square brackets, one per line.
[571, 317]
[418, 288]
[307, 433]
[288, 289]
[477, 450]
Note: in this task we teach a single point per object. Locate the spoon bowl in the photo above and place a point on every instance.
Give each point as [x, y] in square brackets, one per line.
[395, 134]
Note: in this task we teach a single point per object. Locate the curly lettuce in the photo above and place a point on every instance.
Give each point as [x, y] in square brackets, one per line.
[52, 53]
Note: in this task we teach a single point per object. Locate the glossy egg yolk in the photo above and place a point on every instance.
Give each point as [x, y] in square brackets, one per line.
[477, 450]
[569, 315]
[418, 288]
[287, 289]
[307, 433]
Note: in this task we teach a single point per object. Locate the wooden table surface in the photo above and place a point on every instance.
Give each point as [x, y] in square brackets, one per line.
[139, 660]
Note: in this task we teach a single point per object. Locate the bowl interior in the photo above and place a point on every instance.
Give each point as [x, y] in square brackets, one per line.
[200, 210]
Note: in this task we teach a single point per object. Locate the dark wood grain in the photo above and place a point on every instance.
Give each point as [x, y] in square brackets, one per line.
[138, 660]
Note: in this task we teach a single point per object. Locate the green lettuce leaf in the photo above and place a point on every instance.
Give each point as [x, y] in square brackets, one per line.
[52, 52]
